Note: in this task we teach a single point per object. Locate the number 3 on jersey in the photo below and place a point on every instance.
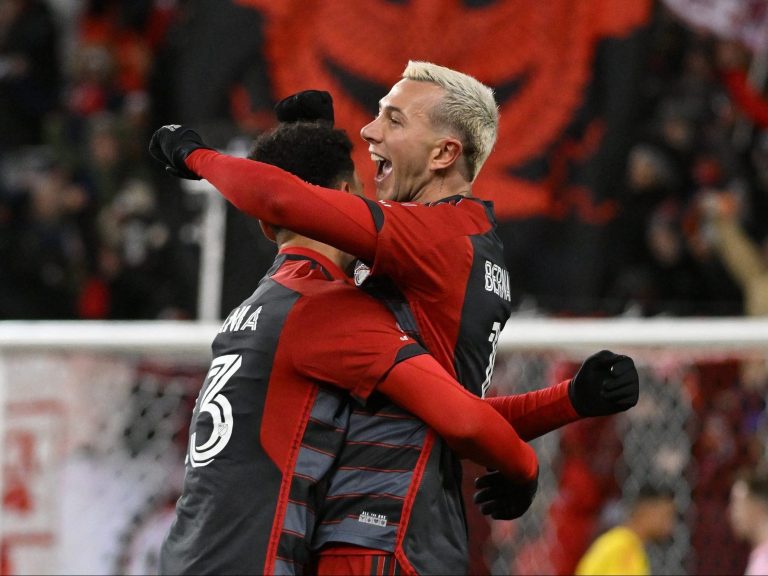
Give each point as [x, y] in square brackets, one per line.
[213, 402]
[494, 340]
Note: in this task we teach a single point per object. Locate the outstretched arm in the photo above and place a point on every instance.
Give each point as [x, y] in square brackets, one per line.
[273, 195]
[269, 193]
[535, 413]
[605, 384]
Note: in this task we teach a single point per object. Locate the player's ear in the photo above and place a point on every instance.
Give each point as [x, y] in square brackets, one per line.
[352, 186]
[446, 153]
[267, 230]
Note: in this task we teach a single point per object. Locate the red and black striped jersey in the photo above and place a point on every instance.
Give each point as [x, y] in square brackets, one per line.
[268, 423]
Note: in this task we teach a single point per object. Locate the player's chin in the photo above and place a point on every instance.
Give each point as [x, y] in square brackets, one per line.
[384, 192]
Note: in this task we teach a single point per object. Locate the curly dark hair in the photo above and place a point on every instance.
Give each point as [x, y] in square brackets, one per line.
[314, 151]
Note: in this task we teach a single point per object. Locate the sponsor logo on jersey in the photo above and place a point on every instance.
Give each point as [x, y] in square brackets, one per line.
[372, 518]
[497, 280]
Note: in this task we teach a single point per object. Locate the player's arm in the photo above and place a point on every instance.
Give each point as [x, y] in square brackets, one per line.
[271, 194]
[275, 196]
[605, 384]
[470, 426]
[534, 414]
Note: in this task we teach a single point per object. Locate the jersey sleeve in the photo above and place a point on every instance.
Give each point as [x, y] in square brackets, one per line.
[533, 414]
[350, 341]
[273, 195]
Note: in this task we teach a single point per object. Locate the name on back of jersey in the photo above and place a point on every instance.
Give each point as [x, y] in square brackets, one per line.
[497, 280]
[241, 319]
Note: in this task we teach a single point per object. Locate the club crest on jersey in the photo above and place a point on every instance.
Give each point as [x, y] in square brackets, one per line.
[361, 273]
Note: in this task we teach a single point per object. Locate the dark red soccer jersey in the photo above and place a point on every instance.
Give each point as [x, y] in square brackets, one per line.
[264, 432]
[448, 263]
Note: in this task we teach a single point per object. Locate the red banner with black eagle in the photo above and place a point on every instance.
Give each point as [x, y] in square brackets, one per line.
[538, 56]
[566, 73]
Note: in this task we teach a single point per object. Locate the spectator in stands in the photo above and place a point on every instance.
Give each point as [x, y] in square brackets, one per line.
[651, 179]
[42, 249]
[659, 274]
[121, 68]
[139, 275]
[748, 514]
[745, 258]
[621, 550]
[29, 71]
[130, 32]
[733, 61]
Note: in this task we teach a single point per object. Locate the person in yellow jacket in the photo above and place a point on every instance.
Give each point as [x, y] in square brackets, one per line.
[621, 550]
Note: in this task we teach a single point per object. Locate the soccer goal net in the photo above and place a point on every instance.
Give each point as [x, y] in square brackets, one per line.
[94, 419]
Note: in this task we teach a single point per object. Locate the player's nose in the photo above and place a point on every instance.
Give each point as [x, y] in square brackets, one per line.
[371, 132]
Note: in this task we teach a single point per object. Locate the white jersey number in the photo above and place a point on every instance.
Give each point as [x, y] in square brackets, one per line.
[214, 403]
[494, 340]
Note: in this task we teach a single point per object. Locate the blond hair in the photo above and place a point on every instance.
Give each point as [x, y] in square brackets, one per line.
[468, 107]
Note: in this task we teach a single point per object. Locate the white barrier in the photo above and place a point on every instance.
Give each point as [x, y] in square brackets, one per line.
[519, 334]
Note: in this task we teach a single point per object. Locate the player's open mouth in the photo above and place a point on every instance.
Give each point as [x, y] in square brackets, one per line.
[383, 166]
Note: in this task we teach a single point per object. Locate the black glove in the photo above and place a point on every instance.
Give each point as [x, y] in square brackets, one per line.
[501, 498]
[605, 384]
[308, 105]
[171, 144]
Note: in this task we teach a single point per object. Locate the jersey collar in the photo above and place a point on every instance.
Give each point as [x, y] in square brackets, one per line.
[332, 269]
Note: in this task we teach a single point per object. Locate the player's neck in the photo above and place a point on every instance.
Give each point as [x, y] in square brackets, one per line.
[444, 186]
[638, 527]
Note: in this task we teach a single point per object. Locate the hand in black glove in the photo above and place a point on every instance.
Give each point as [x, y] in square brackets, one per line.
[501, 498]
[307, 105]
[171, 144]
[605, 384]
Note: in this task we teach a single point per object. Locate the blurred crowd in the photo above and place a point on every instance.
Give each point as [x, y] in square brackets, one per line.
[89, 230]
[83, 233]
[692, 235]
